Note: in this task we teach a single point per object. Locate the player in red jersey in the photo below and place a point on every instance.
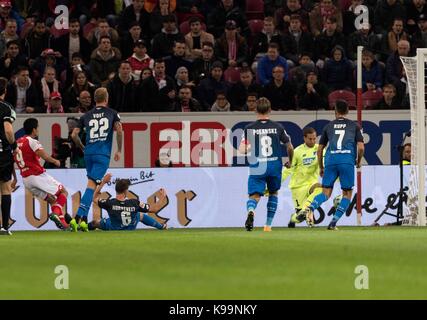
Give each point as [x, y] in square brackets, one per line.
[34, 176]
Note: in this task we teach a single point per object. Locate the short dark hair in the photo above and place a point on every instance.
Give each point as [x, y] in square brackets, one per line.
[246, 70]
[208, 44]
[252, 94]
[21, 68]
[13, 42]
[122, 185]
[3, 85]
[159, 60]
[332, 19]
[39, 20]
[194, 19]
[30, 124]
[263, 106]
[74, 20]
[273, 45]
[308, 130]
[104, 37]
[341, 107]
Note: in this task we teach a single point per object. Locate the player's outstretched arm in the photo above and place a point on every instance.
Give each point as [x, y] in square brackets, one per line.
[76, 138]
[42, 154]
[119, 130]
[360, 153]
[97, 193]
[320, 159]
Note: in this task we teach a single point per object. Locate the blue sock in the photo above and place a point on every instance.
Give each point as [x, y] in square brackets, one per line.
[317, 201]
[151, 222]
[271, 209]
[85, 203]
[251, 205]
[342, 208]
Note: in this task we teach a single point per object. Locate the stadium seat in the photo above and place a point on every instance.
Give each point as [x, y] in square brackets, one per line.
[256, 26]
[255, 9]
[371, 98]
[184, 27]
[232, 75]
[346, 95]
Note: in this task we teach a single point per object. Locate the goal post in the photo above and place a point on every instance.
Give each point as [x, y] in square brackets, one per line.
[415, 69]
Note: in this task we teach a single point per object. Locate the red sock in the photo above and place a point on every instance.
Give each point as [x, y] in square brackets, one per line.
[61, 199]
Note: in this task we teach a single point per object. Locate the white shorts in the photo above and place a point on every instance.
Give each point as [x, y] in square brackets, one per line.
[42, 185]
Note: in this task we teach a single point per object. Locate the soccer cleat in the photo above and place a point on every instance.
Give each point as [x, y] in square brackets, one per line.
[291, 224]
[5, 232]
[267, 228]
[73, 225]
[249, 224]
[84, 227]
[332, 226]
[294, 219]
[60, 223]
[303, 215]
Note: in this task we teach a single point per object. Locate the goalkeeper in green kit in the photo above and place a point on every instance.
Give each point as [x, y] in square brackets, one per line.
[304, 171]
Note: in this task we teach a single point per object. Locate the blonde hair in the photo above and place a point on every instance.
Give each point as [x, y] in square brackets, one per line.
[101, 95]
[263, 106]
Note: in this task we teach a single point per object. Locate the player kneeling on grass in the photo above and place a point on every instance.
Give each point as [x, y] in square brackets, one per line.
[124, 214]
[34, 176]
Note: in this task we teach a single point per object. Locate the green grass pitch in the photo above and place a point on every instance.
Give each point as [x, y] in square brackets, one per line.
[216, 264]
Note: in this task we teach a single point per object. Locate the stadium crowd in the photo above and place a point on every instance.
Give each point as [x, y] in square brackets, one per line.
[206, 55]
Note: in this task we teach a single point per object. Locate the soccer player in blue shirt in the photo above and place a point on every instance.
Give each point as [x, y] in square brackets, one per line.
[99, 124]
[345, 150]
[263, 139]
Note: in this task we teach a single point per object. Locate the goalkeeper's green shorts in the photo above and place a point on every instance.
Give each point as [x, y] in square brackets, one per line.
[300, 195]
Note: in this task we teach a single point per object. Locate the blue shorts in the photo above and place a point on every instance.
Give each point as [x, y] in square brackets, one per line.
[343, 171]
[272, 178]
[106, 225]
[96, 166]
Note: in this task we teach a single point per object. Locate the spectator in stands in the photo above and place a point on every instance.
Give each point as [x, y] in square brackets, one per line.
[264, 38]
[76, 153]
[104, 61]
[163, 42]
[271, 6]
[209, 86]
[395, 73]
[55, 103]
[49, 58]
[7, 12]
[162, 11]
[22, 94]
[201, 67]
[327, 40]
[130, 38]
[135, 12]
[372, 73]
[77, 64]
[157, 93]
[186, 102]
[289, 8]
[394, 36]
[221, 103]
[406, 154]
[195, 38]
[140, 59]
[85, 103]
[414, 8]
[321, 13]
[182, 78]
[364, 37]
[338, 71]
[231, 48]
[251, 100]
[313, 95]
[122, 90]
[238, 92]
[280, 92]
[47, 85]
[103, 29]
[72, 95]
[189, 8]
[37, 40]
[298, 75]
[296, 41]
[73, 42]
[8, 34]
[12, 59]
[226, 10]
[177, 59]
[267, 63]
[146, 73]
[419, 39]
[385, 13]
[389, 100]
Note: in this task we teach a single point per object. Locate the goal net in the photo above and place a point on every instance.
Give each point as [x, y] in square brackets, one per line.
[416, 73]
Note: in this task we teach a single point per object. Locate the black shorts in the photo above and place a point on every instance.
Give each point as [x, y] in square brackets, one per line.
[6, 168]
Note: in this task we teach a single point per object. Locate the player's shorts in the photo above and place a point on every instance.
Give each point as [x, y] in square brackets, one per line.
[300, 195]
[42, 185]
[96, 166]
[343, 171]
[106, 225]
[6, 168]
[272, 178]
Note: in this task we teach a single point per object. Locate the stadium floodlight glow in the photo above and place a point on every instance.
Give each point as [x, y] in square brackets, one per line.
[415, 68]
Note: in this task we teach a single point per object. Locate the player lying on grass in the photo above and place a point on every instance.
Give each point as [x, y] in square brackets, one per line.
[124, 214]
[34, 176]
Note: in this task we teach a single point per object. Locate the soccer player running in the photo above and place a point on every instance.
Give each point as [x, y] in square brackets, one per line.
[345, 150]
[7, 148]
[264, 139]
[99, 124]
[124, 214]
[34, 176]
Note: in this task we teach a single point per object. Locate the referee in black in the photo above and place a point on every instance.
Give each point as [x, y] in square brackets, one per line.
[7, 148]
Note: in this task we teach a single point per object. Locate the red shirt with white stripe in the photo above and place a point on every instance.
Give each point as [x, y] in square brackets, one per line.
[27, 159]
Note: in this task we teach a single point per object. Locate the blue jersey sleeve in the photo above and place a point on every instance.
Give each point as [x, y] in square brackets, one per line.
[324, 138]
[283, 135]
